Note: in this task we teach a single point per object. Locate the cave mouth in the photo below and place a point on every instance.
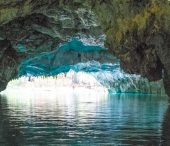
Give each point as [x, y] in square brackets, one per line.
[79, 65]
[62, 85]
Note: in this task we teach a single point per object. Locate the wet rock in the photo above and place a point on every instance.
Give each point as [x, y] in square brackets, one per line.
[138, 32]
[9, 60]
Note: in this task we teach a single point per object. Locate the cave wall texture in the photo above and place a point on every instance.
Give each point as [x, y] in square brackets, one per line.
[137, 32]
[29, 28]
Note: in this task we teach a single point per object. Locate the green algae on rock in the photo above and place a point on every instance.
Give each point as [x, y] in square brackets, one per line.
[138, 32]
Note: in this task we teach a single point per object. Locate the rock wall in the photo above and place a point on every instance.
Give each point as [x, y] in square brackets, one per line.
[9, 61]
[138, 32]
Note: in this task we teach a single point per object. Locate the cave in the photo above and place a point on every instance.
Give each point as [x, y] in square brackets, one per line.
[87, 72]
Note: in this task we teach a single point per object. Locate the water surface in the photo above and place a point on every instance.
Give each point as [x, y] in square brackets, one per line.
[85, 119]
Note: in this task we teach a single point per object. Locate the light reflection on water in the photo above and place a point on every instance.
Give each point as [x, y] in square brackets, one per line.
[81, 119]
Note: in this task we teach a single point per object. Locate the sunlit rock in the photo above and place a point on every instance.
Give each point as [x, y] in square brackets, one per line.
[76, 50]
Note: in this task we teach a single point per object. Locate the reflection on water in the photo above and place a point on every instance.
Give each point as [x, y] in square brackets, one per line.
[165, 139]
[82, 119]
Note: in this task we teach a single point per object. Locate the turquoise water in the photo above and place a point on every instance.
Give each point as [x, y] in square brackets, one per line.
[124, 119]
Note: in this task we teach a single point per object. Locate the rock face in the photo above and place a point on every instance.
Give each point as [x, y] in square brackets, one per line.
[9, 61]
[11, 9]
[137, 32]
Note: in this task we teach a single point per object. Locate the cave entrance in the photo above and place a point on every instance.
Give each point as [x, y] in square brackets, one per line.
[79, 65]
[75, 64]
